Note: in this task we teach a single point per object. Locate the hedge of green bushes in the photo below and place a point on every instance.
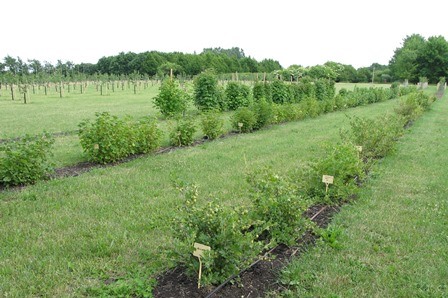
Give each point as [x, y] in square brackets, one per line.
[278, 202]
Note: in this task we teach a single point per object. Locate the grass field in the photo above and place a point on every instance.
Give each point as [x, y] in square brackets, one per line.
[394, 238]
[55, 114]
[62, 236]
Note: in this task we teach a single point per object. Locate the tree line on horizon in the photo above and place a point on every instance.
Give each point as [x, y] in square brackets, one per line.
[418, 58]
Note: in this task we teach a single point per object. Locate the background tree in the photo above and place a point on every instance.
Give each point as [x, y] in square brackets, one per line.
[432, 59]
[404, 63]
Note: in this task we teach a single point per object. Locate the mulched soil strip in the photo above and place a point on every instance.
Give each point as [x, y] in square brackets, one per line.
[257, 280]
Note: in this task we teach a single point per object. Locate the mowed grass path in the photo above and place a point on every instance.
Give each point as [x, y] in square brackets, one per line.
[395, 236]
[62, 236]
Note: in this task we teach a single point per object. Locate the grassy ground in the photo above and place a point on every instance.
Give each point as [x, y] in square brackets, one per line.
[55, 114]
[351, 86]
[394, 238]
[62, 236]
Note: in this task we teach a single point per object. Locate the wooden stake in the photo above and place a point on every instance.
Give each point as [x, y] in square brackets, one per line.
[200, 248]
[327, 180]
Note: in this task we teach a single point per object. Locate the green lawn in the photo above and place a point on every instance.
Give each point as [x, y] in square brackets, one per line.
[55, 114]
[62, 236]
[351, 86]
[394, 240]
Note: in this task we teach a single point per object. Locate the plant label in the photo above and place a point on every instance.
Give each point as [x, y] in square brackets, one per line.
[96, 147]
[327, 179]
[359, 148]
[201, 246]
[198, 253]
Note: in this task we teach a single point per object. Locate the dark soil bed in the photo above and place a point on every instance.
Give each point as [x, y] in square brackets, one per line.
[256, 280]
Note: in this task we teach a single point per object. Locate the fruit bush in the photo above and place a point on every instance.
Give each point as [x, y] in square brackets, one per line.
[237, 95]
[171, 100]
[25, 160]
[183, 132]
[244, 120]
[225, 230]
[212, 124]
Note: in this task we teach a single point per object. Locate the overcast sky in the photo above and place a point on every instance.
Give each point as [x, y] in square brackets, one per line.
[293, 32]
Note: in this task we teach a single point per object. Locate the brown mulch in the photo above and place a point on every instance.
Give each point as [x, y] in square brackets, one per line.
[257, 280]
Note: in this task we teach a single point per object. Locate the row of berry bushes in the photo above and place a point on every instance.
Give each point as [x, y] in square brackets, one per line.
[108, 138]
[278, 202]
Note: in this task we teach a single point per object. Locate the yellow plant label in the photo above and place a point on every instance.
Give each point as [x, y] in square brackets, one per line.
[201, 246]
[359, 148]
[327, 179]
[198, 253]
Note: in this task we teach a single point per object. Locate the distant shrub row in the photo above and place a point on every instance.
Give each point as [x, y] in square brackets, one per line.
[108, 138]
[278, 202]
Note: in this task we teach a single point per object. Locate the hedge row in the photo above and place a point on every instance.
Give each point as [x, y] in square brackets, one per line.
[278, 202]
[108, 138]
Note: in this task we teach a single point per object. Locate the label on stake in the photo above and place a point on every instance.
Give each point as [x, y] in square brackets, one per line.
[201, 246]
[198, 253]
[327, 179]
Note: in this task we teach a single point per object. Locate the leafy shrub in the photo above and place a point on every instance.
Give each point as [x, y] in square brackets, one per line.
[264, 113]
[25, 160]
[280, 92]
[339, 102]
[424, 100]
[288, 112]
[328, 105]
[148, 135]
[305, 89]
[171, 100]
[212, 125]
[244, 120]
[262, 91]
[413, 105]
[325, 89]
[206, 92]
[376, 136]
[311, 107]
[409, 108]
[182, 133]
[225, 230]
[343, 163]
[237, 95]
[277, 207]
[109, 138]
[395, 89]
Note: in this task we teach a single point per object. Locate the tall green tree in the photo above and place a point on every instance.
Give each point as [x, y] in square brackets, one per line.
[433, 59]
[404, 64]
